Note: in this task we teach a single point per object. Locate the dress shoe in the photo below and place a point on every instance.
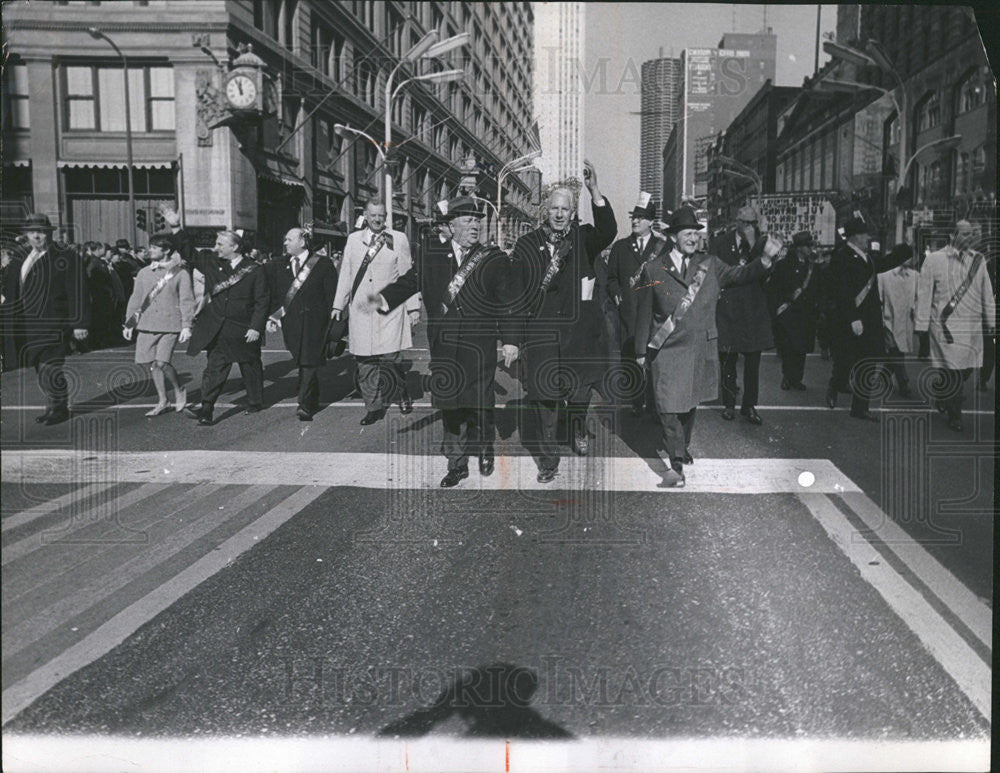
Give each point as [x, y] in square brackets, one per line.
[547, 474]
[751, 415]
[581, 443]
[56, 417]
[303, 414]
[486, 464]
[831, 399]
[955, 425]
[405, 404]
[205, 420]
[454, 477]
[252, 409]
[786, 384]
[371, 417]
[673, 478]
[799, 386]
[729, 414]
[193, 413]
[688, 459]
[865, 416]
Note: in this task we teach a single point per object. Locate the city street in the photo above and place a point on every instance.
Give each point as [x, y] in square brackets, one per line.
[268, 576]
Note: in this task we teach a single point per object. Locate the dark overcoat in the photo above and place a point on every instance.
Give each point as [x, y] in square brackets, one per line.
[685, 370]
[564, 337]
[623, 268]
[796, 325]
[848, 274]
[307, 317]
[51, 302]
[462, 334]
[742, 318]
[223, 321]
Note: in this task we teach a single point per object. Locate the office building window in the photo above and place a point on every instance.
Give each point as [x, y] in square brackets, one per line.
[161, 98]
[971, 92]
[266, 14]
[80, 110]
[928, 112]
[95, 98]
[16, 114]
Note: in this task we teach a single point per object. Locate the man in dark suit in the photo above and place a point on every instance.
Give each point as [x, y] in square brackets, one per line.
[464, 290]
[791, 290]
[857, 328]
[565, 349]
[52, 308]
[302, 313]
[230, 325]
[742, 318]
[627, 257]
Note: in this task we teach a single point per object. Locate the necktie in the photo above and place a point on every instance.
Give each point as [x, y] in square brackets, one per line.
[459, 254]
[684, 265]
[29, 263]
[295, 266]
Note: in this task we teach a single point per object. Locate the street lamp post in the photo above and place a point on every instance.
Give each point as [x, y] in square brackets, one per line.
[425, 48]
[96, 34]
[512, 167]
[339, 129]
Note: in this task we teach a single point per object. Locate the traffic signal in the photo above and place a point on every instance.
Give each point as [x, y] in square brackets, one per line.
[140, 219]
[159, 222]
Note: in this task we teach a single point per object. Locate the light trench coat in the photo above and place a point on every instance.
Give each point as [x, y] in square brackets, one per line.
[898, 290]
[940, 276]
[370, 333]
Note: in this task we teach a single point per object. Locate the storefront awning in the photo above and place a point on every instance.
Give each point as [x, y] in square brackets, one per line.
[115, 164]
[18, 162]
[282, 179]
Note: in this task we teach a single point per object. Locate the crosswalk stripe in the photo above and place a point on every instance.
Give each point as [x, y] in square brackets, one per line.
[416, 471]
[951, 651]
[54, 505]
[113, 632]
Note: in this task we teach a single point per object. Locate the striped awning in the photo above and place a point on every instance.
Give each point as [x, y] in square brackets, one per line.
[115, 164]
[18, 162]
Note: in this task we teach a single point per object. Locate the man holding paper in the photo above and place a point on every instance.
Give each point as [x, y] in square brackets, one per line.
[303, 288]
[565, 353]
[675, 328]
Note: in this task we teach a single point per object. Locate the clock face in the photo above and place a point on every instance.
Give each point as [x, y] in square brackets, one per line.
[241, 91]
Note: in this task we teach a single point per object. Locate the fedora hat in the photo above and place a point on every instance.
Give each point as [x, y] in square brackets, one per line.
[682, 220]
[802, 239]
[645, 207]
[37, 222]
[461, 206]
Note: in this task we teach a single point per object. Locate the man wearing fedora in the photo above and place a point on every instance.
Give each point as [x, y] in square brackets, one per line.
[857, 330]
[53, 308]
[676, 298]
[463, 284]
[627, 257]
[791, 290]
[742, 318]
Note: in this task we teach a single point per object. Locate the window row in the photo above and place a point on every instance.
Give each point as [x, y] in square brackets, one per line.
[95, 97]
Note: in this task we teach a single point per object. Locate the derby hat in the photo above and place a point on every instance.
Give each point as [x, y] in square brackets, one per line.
[682, 220]
[36, 222]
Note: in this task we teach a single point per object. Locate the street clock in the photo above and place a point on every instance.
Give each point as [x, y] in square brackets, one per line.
[245, 83]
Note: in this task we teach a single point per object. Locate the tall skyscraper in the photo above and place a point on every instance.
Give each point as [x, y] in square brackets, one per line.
[717, 84]
[559, 98]
[661, 83]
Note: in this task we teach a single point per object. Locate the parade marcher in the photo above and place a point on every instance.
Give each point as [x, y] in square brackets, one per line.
[989, 339]
[955, 312]
[230, 325]
[161, 311]
[627, 257]
[609, 306]
[898, 290]
[564, 342]
[373, 258]
[463, 284]
[856, 325]
[53, 309]
[676, 299]
[11, 258]
[791, 291]
[303, 288]
[741, 315]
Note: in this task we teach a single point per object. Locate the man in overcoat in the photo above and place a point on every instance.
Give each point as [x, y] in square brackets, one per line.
[857, 331]
[742, 318]
[374, 257]
[955, 314]
[302, 290]
[676, 299]
[231, 323]
[791, 290]
[464, 287]
[52, 308]
[627, 257]
[563, 332]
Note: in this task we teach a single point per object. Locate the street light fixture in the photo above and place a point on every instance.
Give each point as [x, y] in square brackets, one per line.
[425, 48]
[96, 34]
[848, 54]
[339, 129]
[951, 141]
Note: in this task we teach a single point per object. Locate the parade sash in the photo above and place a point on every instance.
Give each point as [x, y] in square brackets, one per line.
[949, 309]
[657, 251]
[133, 321]
[472, 260]
[225, 284]
[378, 241]
[795, 295]
[558, 258]
[860, 297]
[670, 323]
[297, 283]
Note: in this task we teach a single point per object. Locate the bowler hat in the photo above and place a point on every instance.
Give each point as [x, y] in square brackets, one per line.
[37, 222]
[802, 239]
[683, 219]
[461, 206]
[645, 207]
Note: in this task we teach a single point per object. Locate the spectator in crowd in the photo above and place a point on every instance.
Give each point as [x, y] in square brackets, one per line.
[989, 341]
[603, 294]
[105, 299]
[11, 258]
[955, 312]
[161, 311]
[898, 289]
[791, 290]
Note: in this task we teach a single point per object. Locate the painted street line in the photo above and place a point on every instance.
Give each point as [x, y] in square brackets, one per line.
[54, 505]
[415, 471]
